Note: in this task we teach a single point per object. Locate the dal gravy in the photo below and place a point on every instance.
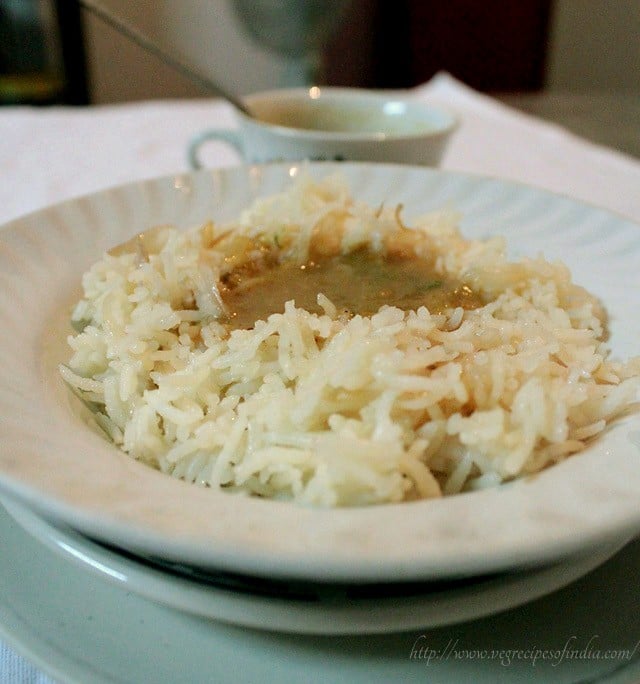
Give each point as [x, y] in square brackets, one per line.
[358, 283]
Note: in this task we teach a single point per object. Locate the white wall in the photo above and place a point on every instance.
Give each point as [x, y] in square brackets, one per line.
[595, 46]
[205, 33]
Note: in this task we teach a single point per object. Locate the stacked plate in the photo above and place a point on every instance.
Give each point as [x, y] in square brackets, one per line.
[254, 562]
[304, 606]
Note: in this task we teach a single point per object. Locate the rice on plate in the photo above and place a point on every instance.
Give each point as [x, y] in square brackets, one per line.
[450, 369]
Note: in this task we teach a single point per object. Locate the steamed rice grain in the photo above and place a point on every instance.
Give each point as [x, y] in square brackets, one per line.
[329, 409]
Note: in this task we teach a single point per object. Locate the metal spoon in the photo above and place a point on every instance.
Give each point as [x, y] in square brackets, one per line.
[123, 27]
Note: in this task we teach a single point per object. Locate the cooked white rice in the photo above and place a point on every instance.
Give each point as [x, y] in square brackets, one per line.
[331, 410]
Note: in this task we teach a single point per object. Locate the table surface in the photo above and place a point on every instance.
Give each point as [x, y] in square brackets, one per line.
[586, 147]
[610, 119]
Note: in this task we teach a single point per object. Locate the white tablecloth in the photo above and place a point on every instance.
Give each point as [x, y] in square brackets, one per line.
[47, 155]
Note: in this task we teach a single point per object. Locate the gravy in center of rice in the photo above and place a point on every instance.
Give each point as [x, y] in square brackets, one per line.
[323, 406]
[357, 283]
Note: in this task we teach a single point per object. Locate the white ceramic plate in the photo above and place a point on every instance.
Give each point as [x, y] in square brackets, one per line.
[69, 473]
[312, 609]
[85, 630]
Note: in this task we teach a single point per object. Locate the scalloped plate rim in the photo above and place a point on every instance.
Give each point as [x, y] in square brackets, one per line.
[583, 503]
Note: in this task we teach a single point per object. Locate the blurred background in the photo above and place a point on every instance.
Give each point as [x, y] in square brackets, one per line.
[573, 61]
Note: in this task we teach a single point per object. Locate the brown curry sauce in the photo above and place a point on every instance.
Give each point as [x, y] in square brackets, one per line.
[359, 282]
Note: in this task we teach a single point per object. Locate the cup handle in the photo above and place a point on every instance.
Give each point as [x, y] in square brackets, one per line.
[228, 136]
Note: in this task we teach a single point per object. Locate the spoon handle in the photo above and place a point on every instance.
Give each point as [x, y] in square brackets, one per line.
[172, 60]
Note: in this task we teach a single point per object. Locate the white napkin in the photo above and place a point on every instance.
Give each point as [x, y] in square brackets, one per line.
[48, 155]
[15, 670]
[496, 140]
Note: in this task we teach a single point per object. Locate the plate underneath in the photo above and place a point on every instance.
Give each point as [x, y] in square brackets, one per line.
[309, 608]
[84, 630]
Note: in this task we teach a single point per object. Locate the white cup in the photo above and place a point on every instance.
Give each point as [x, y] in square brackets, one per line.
[326, 123]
